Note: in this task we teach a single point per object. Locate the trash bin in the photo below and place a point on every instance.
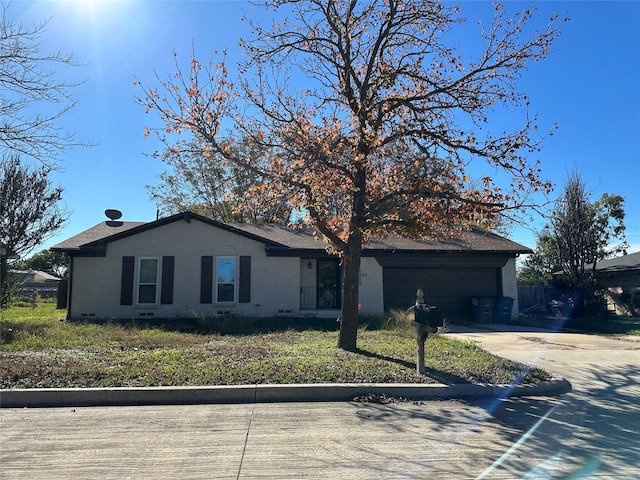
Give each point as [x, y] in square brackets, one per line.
[482, 309]
[502, 310]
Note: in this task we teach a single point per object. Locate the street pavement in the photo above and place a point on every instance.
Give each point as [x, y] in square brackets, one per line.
[591, 432]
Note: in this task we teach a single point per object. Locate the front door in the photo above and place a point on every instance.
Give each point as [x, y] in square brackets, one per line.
[328, 284]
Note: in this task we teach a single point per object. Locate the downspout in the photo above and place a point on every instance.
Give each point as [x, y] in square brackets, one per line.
[70, 287]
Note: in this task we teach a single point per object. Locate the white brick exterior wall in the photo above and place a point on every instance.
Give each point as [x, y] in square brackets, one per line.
[275, 281]
[510, 285]
[371, 294]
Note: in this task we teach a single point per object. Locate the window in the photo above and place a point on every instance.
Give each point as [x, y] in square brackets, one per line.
[226, 279]
[144, 288]
[220, 280]
[147, 280]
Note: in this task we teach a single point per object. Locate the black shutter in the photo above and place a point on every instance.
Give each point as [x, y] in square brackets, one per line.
[166, 289]
[206, 279]
[244, 277]
[126, 282]
[63, 290]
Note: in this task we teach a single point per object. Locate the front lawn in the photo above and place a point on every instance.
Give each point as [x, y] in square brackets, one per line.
[38, 349]
[601, 324]
[605, 324]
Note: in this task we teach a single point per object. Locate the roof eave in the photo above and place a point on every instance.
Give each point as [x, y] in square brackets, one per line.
[373, 252]
[379, 251]
[83, 251]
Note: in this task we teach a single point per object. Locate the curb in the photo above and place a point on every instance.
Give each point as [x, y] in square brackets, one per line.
[123, 396]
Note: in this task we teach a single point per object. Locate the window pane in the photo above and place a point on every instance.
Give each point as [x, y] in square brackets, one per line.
[147, 294]
[226, 270]
[148, 270]
[225, 292]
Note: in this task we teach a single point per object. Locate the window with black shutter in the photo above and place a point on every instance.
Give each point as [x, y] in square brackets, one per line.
[244, 277]
[126, 282]
[166, 287]
[206, 279]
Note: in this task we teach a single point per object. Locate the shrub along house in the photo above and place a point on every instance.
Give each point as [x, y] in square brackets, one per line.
[187, 265]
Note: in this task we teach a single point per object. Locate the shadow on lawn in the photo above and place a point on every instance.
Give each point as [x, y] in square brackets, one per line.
[438, 375]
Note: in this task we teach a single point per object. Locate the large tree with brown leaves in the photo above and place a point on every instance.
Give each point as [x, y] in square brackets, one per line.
[368, 118]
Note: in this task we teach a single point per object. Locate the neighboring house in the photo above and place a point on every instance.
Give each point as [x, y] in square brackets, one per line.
[187, 265]
[31, 281]
[621, 278]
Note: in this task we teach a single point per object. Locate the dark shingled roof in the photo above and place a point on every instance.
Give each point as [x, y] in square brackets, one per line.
[619, 264]
[282, 238]
[96, 233]
[475, 240]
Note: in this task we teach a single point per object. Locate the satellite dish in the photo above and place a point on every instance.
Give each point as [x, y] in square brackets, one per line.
[113, 214]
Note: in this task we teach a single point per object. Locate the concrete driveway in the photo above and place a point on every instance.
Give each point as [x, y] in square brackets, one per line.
[596, 427]
[577, 357]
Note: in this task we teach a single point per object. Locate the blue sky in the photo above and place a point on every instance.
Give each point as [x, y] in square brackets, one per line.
[589, 86]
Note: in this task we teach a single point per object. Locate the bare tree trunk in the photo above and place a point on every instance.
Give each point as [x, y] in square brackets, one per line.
[350, 294]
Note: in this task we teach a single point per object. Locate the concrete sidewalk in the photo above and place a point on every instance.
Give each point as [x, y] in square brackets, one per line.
[321, 440]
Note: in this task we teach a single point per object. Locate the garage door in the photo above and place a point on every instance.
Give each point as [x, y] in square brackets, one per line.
[450, 289]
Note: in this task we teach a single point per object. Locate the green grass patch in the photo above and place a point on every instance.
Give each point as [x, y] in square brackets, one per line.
[606, 324]
[39, 351]
[601, 324]
[26, 312]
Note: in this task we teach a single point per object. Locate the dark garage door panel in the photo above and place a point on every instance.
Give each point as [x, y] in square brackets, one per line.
[450, 289]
